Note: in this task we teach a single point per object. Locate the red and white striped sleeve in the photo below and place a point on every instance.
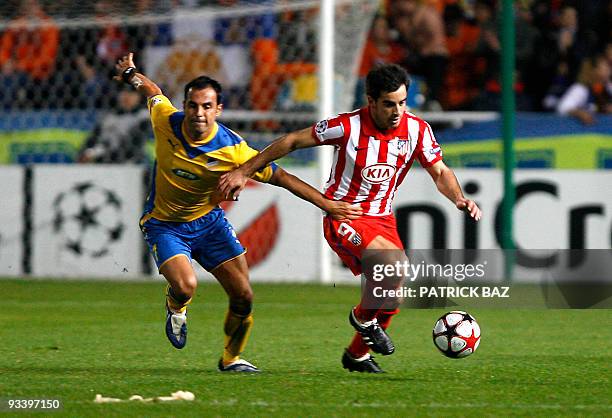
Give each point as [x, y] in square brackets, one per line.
[329, 131]
[431, 152]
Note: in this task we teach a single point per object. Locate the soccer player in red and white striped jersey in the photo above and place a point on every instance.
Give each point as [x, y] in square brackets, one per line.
[374, 147]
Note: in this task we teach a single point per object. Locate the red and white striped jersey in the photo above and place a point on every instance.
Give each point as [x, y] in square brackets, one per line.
[369, 165]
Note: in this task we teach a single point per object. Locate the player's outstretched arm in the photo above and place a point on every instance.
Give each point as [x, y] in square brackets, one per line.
[125, 71]
[447, 184]
[232, 183]
[339, 210]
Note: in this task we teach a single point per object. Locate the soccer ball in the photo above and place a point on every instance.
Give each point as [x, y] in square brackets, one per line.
[456, 334]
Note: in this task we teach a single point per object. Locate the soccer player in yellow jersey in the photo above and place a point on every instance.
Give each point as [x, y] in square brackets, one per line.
[182, 219]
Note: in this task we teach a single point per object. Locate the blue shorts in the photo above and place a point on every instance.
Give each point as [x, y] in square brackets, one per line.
[209, 240]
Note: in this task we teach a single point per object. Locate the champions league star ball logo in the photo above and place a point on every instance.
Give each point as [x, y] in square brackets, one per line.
[321, 126]
[88, 218]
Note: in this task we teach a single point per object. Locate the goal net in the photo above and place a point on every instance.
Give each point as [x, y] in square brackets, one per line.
[57, 59]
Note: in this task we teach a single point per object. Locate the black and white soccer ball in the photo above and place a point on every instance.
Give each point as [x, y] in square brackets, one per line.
[88, 218]
[456, 334]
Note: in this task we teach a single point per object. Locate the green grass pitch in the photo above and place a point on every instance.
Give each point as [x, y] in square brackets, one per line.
[72, 340]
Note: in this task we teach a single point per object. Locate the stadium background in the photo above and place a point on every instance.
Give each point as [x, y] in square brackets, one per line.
[65, 219]
[57, 89]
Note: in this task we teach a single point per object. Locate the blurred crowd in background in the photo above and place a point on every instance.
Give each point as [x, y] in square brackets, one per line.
[455, 48]
[60, 55]
[452, 48]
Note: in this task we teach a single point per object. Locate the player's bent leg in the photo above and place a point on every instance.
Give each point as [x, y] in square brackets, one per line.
[233, 276]
[384, 317]
[182, 283]
[372, 334]
[358, 348]
[363, 318]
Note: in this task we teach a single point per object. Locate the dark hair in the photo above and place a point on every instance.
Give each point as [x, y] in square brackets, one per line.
[203, 82]
[385, 79]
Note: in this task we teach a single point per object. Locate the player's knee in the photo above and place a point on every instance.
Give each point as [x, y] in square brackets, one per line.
[245, 297]
[186, 287]
[241, 303]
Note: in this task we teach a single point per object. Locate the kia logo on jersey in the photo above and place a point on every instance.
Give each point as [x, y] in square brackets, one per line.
[378, 173]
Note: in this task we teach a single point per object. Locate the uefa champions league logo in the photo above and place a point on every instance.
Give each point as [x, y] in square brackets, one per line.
[88, 219]
[321, 126]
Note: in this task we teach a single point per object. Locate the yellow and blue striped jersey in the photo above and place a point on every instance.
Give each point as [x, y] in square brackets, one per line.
[186, 173]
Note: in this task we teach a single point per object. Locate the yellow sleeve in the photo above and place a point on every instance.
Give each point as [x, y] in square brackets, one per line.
[246, 153]
[160, 108]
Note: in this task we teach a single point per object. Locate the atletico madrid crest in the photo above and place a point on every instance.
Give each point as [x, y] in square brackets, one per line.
[402, 146]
